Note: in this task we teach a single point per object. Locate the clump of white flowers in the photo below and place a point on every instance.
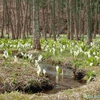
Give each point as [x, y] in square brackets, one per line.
[5, 55]
[76, 53]
[29, 56]
[2, 45]
[40, 57]
[97, 58]
[58, 70]
[39, 70]
[36, 63]
[91, 64]
[44, 72]
[61, 50]
[15, 59]
[53, 51]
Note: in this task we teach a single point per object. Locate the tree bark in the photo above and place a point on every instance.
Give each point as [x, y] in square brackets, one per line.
[36, 40]
[88, 8]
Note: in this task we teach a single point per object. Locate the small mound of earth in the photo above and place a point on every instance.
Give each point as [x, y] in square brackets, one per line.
[79, 74]
[31, 86]
[35, 86]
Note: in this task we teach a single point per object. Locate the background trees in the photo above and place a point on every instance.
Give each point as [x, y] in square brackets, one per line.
[50, 17]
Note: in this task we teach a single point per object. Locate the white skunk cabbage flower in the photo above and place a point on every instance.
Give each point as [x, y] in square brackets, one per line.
[64, 47]
[58, 70]
[71, 51]
[80, 49]
[61, 50]
[29, 56]
[62, 72]
[36, 63]
[97, 58]
[38, 70]
[40, 57]
[44, 72]
[76, 53]
[15, 59]
[53, 51]
[5, 55]
[94, 53]
[91, 64]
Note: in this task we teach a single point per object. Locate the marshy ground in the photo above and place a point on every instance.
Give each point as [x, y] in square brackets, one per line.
[19, 80]
[22, 76]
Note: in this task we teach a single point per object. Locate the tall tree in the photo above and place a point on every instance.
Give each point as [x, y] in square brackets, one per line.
[71, 20]
[53, 28]
[59, 18]
[68, 17]
[76, 20]
[36, 33]
[95, 18]
[18, 4]
[2, 29]
[88, 10]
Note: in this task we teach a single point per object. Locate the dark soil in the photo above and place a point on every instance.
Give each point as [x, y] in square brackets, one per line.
[34, 86]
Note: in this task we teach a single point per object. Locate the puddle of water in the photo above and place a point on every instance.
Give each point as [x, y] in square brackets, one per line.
[61, 82]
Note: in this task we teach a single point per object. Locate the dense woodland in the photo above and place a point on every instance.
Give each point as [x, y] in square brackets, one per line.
[75, 18]
[49, 49]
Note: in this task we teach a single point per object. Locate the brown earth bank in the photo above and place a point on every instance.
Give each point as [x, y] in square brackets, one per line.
[22, 76]
[87, 92]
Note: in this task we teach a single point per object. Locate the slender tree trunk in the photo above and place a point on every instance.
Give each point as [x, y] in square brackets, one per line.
[44, 23]
[88, 8]
[68, 17]
[59, 18]
[36, 42]
[80, 19]
[25, 21]
[71, 20]
[2, 29]
[96, 19]
[18, 6]
[47, 21]
[53, 18]
[76, 23]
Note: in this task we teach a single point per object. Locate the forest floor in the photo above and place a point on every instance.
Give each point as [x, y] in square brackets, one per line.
[19, 79]
[23, 71]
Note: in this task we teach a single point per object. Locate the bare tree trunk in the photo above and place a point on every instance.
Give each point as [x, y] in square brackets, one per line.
[53, 18]
[36, 42]
[18, 6]
[44, 22]
[2, 29]
[89, 35]
[47, 21]
[95, 20]
[76, 23]
[68, 17]
[71, 21]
